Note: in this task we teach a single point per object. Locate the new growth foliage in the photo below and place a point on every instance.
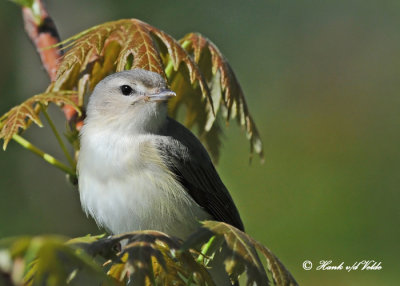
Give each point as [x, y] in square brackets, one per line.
[209, 93]
[147, 258]
[202, 78]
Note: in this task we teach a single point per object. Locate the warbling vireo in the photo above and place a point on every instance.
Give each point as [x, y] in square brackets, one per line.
[139, 169]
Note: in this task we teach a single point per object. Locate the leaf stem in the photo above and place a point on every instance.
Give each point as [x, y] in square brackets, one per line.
[47, 157]
[170, 65]
[200, 259]
[169, 68]
[205, 249]
[59, 139]
[151, 276]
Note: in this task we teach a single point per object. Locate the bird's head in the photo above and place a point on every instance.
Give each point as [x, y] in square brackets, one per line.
[132, 99]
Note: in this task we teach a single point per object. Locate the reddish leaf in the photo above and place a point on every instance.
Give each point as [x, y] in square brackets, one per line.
[223, 81]
[19, 116]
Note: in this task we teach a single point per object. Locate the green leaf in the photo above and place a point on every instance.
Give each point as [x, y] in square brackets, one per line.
[153, 258]
[145, 258]
[239, 253]
[47, 260]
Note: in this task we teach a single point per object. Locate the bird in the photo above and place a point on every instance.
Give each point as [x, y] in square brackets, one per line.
[139, 169]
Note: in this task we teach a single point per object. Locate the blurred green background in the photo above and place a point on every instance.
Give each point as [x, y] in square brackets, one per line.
[322, 79]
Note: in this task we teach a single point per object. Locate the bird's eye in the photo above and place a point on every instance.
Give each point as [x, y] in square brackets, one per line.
[126, 89]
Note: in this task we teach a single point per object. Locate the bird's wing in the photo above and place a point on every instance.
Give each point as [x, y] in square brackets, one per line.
[186, 157]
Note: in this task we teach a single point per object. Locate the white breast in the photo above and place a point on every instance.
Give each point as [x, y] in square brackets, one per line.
[125, 186]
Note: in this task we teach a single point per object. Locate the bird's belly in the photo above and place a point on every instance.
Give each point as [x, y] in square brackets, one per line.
[147, 198]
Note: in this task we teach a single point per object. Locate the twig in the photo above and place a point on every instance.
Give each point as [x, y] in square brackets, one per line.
[47, 157]
[43, 33]
[59, 139]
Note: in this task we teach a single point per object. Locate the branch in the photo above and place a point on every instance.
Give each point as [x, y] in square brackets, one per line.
[43, 33]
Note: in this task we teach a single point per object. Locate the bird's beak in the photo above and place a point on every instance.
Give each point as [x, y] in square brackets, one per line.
[163, 95]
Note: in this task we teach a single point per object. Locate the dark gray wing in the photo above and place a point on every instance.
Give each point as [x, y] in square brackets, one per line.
[186, 157]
